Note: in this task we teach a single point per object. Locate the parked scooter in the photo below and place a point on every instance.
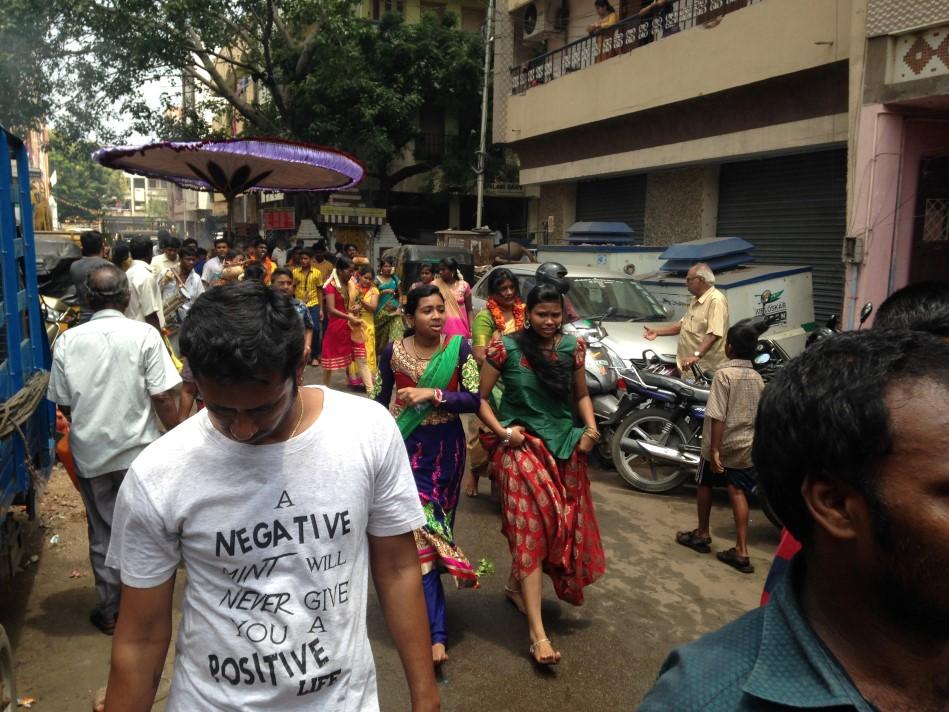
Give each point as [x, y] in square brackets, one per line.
[605, 382]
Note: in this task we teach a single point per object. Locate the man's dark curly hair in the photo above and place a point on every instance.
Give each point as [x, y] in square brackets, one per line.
[240, 332]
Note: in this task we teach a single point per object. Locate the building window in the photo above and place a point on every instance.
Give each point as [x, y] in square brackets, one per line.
[472, 18]
[936, 220]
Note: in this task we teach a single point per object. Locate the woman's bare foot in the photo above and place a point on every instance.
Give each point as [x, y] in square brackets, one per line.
[438, 654]
[469, 483]
[98, 703]
[544, 653]
[515, 596]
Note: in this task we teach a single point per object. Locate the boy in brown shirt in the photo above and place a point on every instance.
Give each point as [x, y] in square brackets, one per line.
[727, 436]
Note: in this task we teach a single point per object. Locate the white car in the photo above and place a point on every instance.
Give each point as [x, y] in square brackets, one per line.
[592, 293]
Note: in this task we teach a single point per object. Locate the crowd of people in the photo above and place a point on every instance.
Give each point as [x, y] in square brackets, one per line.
[234, 495]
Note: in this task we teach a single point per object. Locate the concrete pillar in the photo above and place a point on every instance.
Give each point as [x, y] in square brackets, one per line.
[557, 207]
[454, 211]
[681, 204]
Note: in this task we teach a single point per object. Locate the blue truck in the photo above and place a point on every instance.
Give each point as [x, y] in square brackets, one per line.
[27, 418]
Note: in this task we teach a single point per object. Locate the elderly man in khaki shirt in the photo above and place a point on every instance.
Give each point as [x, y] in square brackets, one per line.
[702, 328]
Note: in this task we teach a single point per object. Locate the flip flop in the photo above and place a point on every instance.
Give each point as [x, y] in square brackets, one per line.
[691, 539]
[739, 563]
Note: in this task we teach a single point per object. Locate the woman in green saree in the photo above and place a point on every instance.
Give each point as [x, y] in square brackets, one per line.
[539, 456]
[389, 326]
[434, 379]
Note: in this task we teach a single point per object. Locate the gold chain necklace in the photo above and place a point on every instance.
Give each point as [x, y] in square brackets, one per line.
[299, 420]
[427, 358]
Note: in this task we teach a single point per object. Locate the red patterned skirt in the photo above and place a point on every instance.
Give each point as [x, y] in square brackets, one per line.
[548, 515]
[339, 349]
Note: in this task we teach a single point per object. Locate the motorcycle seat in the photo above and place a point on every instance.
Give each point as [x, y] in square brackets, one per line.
[686, 390]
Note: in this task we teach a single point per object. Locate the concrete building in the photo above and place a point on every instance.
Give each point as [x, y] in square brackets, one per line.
[899, 161]
[720, 117]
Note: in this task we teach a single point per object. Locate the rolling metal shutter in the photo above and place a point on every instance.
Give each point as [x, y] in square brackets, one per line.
[793, 210]
[614, 200]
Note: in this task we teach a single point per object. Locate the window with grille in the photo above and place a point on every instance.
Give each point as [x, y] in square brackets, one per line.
[936, 220]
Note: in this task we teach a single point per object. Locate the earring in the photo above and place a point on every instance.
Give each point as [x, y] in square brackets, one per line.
[527, 323]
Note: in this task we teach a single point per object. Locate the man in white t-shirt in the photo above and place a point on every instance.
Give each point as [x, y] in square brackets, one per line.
[277, 543]
[145, 294]
[214, 266]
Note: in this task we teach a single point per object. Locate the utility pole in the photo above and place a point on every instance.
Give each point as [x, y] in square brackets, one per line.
[488, 42]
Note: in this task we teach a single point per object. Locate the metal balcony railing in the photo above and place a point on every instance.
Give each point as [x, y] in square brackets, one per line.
[434, 146]
[623, 37]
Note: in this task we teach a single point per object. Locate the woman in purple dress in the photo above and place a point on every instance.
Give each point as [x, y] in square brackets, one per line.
[435, 379]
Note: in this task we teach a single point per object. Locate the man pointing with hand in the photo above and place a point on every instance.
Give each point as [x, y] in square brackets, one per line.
[701, 330]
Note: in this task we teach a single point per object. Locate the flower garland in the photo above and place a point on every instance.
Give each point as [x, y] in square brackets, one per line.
[519, 311]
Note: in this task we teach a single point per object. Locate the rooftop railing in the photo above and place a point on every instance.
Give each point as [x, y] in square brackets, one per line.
[625, 36]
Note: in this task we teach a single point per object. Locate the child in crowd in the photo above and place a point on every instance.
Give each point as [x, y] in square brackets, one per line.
[426, 275]
[282, 281]
[727, 436]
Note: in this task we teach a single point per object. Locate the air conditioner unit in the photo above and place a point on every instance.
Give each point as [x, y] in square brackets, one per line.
[541, 20]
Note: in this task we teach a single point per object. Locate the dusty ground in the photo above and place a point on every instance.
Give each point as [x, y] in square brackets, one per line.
[655, 595]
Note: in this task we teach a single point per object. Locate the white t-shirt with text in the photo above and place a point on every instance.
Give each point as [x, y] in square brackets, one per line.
[274, 543]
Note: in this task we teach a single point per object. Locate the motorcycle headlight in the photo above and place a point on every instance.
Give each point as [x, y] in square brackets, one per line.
[586, 330]
[54, 314]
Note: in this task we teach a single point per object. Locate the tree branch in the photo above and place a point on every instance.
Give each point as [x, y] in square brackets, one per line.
[292, 43]
[304, 59]
[269, 77]
[218, 86]
[393, 179]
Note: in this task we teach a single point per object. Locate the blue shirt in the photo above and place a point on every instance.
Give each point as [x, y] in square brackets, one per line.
[304, 313]
[769, 659]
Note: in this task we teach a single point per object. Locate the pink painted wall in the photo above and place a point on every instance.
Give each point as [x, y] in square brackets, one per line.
[874, 206]
[889, 148]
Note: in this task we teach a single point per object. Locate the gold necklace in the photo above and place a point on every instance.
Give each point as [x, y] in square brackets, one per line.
[430, 356]
[299, 420]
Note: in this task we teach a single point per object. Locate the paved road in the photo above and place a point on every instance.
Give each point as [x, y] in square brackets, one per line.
[654, 595]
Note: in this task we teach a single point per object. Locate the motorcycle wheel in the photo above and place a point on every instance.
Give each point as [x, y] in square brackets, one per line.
[602, 452]
[641, 472]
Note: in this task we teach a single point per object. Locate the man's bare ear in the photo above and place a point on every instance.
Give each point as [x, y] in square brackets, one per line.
[836, 507]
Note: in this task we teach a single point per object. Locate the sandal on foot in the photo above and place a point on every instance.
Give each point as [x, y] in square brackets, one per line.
[701, 544]
[510, 593]
[740, 563]
[554, 656]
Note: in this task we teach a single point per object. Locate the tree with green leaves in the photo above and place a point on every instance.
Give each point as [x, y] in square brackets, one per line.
[310, 70]
[83, 189]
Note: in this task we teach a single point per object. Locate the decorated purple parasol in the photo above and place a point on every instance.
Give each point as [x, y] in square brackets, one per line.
[235, 166]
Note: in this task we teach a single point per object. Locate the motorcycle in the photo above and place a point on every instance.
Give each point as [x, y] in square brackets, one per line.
[659, 444]
[58, 315]
[603, 370]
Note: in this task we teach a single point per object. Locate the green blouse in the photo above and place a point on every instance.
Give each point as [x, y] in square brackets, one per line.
[526, 402]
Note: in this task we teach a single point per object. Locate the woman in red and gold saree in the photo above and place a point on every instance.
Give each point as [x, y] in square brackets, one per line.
[539, 456]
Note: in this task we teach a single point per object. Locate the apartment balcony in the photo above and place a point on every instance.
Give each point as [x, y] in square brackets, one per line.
[696, 49]
[434, 146]
[625, 36]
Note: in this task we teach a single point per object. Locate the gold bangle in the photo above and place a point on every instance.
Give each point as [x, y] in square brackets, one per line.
[593, 434]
